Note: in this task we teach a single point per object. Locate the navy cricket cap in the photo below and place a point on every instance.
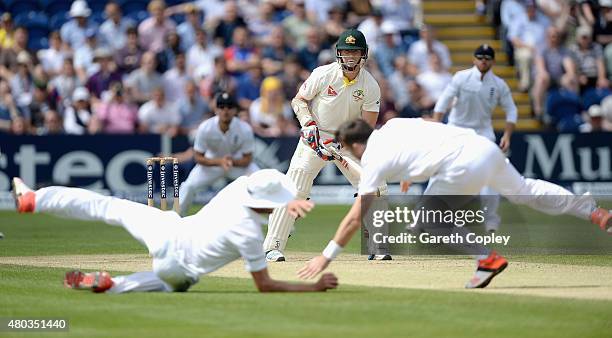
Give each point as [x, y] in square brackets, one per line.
[224, 100]
[485, 50]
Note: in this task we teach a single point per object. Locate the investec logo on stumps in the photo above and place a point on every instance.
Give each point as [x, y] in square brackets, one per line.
[150, 181]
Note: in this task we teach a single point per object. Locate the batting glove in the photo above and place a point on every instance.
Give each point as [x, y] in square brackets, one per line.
[310, 135]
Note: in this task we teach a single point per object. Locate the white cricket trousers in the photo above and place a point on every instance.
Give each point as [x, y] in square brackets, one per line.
[154, 228]
[481, 163]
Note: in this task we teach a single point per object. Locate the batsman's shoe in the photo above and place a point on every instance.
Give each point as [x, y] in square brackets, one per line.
[25, 198]
[487, 269]
[602, 218]
[275, 256]
[379, 257]
[98, 281]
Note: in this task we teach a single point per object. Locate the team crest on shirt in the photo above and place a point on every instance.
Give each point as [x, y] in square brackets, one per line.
[358, 94]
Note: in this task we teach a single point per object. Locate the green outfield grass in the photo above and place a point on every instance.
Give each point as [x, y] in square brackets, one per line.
[230, 307]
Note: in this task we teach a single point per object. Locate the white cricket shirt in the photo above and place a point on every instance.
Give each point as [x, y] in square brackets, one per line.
[476, 100]
[334, 100]
[408, 149]
[213, 143]
[222, 232]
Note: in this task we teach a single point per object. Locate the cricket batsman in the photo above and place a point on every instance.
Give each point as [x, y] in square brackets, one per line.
[333, 94]
[456, 161]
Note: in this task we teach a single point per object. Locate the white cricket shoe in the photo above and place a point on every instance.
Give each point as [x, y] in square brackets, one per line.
[275, 256]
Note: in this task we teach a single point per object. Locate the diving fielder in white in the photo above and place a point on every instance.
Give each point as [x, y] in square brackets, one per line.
[223, 148]
[456, 161]
[183, 249]
[333, 94]
[477, 92]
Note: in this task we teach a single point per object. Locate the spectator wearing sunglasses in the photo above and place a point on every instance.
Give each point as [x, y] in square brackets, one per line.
[477, 92]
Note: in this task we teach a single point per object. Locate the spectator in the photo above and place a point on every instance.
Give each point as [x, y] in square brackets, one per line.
[219, 82]
[555, 69]
[249, 87]
[271, 114]
[292, 76]
[606, 108]
[73, 32]
[143, 80]
[274, 53]
[595, 120]
[113, 32]
[19, 126]
[398, 82]
[262, 24]
[8, 57]
[6, 31]
[117, 116]
[528, 38]
[175, 79]
[419, 51]
[589, 9]
[297, 25]
[192, 109]
[22, 85]
[309, 55]
[334, 26]
[84, 57]
[128, 58]
[40, 104]
[152, 31]
[187, 30]
[420, 105]
[387, 106]
[52, 59]
[317, 11]
[166, 57]
[434, 80]
[388, 50]
[159, 116]
[201, 56]
[399, 12]
[8, 108]
[372, 29]
[589, 59]
[99, 82]
[63, 85]
[224, 31]
[240, 56]
[52, 124]
[77, 116]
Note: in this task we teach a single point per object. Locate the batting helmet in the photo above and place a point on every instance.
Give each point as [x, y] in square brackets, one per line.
[351, 39]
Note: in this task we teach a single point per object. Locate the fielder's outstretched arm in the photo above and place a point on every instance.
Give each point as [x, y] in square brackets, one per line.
[266, 284]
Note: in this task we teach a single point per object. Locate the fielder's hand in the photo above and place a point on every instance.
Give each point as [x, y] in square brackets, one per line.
[299, 208]
[504, 143]
[313, 267]
[326, 282]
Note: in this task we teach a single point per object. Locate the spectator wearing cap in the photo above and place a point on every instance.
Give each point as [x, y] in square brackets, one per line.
[477, 91]
[8, 56]
[77, 116]
[271, 114]
[144, 80]
[555, 69]
[175, 79]
[296, 25]
[63, 85]
[241, 55]
[308, 56]
[84, 57]
[372, 29]
[390, 49]
[73, 32]
[159, 116]
[6, 31]
[108, 73]
[52, 58]
[528, 38]
[113, 31]
[594, 121]
[22, 84]
[187, 29]
[274, 53]
[128, 57]
[115, 116]
[224, 30]
[419, 51]
[152, 31]
[201, 56]
[589, 59]
[192, 108]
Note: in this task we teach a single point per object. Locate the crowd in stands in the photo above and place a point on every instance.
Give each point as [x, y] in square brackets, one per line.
[139, 66]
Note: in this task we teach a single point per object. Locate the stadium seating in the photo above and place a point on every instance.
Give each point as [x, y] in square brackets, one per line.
[17, 7]
[52, 7]
[58, 20]
[138, 16]
[131, 6]
[37, 24]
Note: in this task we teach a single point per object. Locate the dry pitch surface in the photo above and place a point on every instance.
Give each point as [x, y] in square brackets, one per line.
[420, 272]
